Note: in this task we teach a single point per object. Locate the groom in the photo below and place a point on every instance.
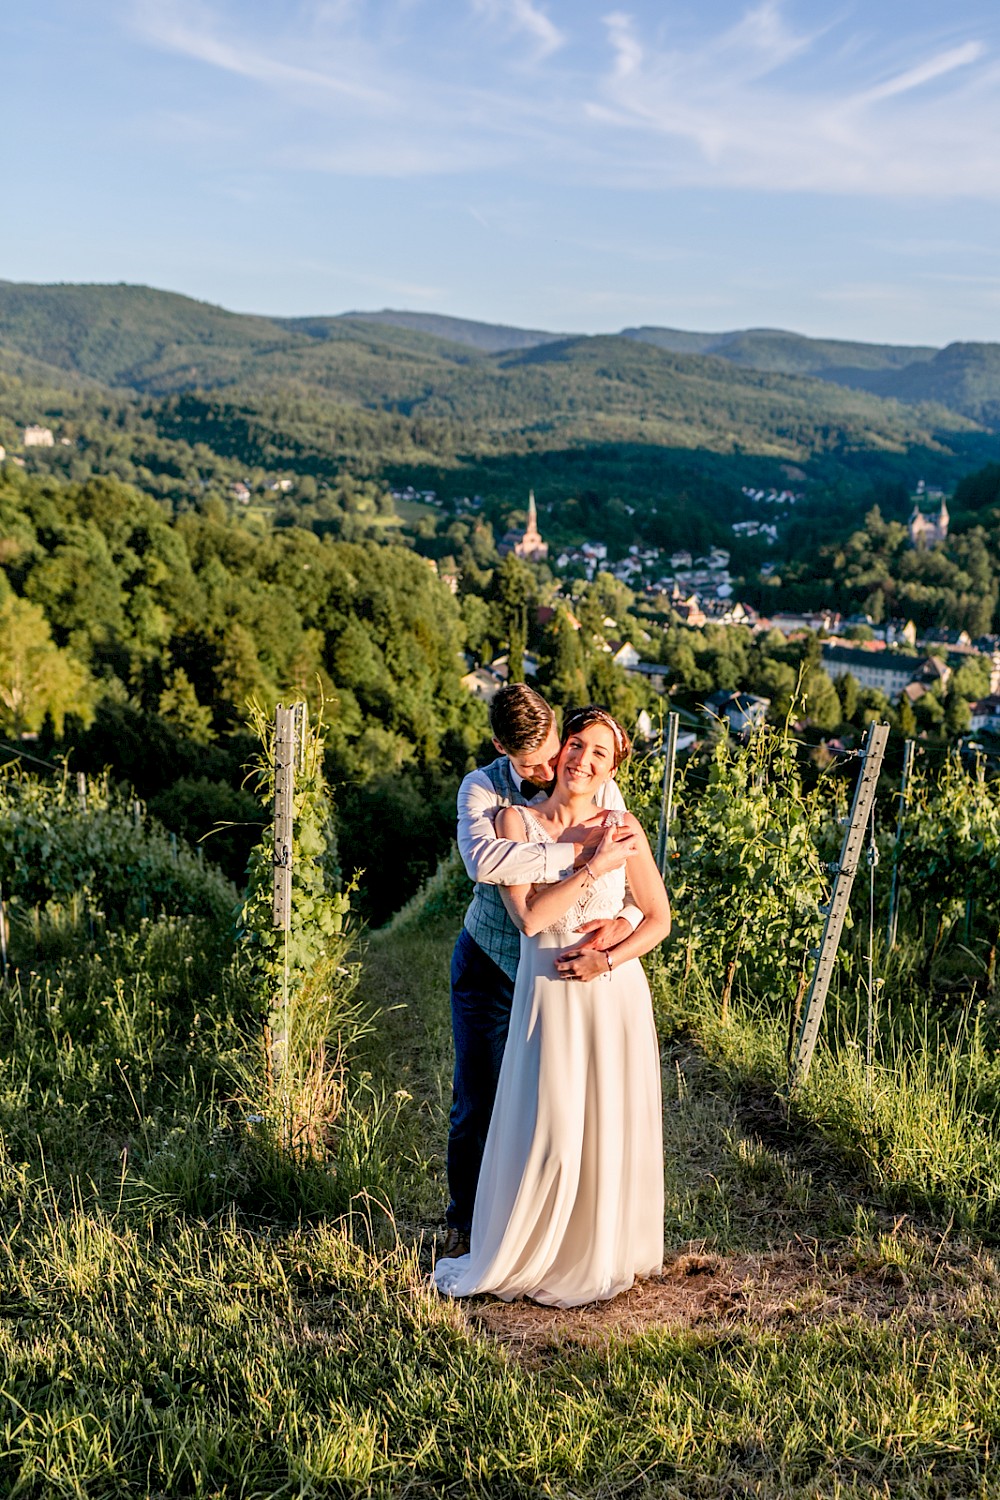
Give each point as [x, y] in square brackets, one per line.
[484, 963]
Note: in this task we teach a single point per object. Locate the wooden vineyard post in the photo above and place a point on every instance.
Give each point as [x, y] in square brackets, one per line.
[666, 810]
[904, 786]
[3, 934]
[843, 873]
[284, 790]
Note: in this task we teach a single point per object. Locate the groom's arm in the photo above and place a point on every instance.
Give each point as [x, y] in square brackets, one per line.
[496, 861]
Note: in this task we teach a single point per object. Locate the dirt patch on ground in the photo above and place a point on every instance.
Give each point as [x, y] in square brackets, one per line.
[802, 1284]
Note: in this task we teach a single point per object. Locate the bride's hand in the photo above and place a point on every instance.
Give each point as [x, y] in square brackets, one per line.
[616, 847]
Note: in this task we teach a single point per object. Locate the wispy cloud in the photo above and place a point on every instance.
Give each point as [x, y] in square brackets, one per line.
[391, 155]
[521, 17]
[407, 88]
[198, 34]
[373, 90]
[385, 286]
[766, 105]
[925, 72]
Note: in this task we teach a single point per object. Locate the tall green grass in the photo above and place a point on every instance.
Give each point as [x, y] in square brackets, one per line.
[190, 1308]
[919, 1121]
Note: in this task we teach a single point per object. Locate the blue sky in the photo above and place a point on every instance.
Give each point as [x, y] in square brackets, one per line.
[828, 167]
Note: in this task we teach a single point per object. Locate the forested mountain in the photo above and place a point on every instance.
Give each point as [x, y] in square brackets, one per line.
[342, 389]
[152, 341]
[488, 338]
[487, 374]
[789, 353]
[964, 377]
[213, 520]
[772, 349]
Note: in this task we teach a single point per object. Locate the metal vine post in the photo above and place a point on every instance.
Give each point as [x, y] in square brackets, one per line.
[909, 747]
[667, 807]
[843, 872]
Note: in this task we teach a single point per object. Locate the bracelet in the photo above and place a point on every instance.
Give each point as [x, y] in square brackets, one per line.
[607, 955]
[588, 875]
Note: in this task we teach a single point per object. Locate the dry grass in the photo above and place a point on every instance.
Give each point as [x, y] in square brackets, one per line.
[802, 1286]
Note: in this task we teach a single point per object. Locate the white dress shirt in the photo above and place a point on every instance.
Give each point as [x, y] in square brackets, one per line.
[490, 860]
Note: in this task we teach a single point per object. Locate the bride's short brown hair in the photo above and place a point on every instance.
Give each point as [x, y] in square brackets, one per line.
[579, 718]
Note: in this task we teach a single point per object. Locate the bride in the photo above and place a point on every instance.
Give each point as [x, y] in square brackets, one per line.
[570, 1201]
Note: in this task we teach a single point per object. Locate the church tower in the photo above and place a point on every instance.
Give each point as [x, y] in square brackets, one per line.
[926, 529]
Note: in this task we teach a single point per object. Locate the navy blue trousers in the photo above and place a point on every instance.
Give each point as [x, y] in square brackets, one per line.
[481, 996]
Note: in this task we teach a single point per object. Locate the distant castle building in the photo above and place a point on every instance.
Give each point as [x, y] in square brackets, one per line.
[527, 544]
[38, 437]
[926, 529]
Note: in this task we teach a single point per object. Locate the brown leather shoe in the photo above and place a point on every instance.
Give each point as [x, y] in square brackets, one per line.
[456, 1243]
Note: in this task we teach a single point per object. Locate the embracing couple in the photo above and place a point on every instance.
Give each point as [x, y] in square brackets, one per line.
[555, 1151]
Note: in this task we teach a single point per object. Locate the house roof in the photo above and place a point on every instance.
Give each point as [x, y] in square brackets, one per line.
[847, 657]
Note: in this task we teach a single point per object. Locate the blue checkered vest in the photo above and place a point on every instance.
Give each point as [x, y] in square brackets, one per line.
[486, 920]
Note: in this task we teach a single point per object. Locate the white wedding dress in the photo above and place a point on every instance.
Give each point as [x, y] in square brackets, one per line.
[569, 1207]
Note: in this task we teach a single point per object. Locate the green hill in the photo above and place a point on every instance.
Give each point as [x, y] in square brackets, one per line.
[962, 377]
[965, 377]
[154, 341]
[130, 335]
[320, 392]
[487, 338]
[571, 395]
[777, 350]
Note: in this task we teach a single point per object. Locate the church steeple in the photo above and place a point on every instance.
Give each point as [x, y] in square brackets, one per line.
[529, 543]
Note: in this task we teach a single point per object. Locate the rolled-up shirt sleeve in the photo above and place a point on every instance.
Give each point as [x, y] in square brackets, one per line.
[494, 861]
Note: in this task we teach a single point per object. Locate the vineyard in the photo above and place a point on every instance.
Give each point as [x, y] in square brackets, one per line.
[221, 1164]
[907, 1087]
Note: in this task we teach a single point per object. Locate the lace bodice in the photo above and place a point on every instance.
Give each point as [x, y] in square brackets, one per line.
[604, 898]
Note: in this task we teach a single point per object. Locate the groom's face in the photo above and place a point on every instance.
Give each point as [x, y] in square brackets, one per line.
[539, 764]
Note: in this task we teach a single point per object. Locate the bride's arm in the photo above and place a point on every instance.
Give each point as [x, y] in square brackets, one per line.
[532, 908]
[649, 894]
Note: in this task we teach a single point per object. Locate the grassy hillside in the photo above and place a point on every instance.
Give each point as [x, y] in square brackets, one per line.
[188, 1310]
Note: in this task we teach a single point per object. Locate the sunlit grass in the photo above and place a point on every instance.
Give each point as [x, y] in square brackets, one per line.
[188, 1310]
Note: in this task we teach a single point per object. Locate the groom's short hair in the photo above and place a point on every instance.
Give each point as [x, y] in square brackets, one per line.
[520, 718]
